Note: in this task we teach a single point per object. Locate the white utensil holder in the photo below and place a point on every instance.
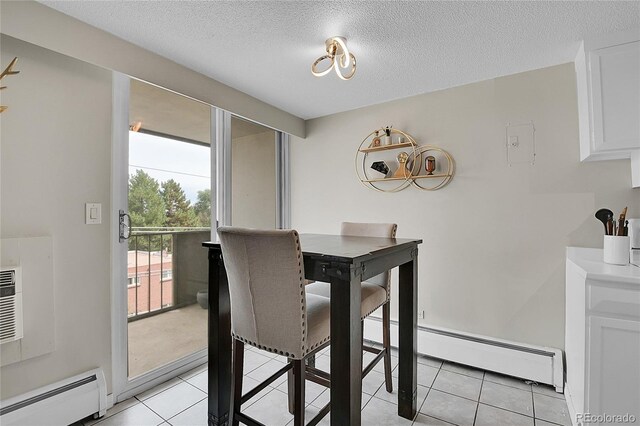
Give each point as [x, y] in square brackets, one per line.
[616, 250]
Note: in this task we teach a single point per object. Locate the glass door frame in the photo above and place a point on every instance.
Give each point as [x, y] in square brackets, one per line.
[283, 182]
[222, 121]
[224, 165]
[124, 387]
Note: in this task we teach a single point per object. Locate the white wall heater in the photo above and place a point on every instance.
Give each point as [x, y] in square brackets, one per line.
[61, 403]
[536, 363]
[10, 304]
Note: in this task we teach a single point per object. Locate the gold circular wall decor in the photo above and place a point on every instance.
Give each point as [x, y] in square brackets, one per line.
[401, 142]
[442, 177]
[410, 159]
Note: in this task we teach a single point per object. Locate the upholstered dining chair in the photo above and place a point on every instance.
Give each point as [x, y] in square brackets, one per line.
[271, 310]
[374, 294]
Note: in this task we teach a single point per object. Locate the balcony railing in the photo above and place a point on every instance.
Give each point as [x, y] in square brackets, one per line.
[166, 269]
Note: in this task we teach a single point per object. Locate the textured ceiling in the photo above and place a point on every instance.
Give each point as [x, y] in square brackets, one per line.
[265, 48]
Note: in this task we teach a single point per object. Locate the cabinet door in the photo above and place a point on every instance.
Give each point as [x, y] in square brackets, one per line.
[615, 84]
[613, 367]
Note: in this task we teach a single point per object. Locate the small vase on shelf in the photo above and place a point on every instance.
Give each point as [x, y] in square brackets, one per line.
[376, 140]
[431, 165]
[387, 136]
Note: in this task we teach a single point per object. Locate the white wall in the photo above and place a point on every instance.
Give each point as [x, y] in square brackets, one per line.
[253, 180]
[56, 150]
[492, 261]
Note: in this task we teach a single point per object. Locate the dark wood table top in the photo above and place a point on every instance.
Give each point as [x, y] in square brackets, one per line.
[344, 262]
[345, 247]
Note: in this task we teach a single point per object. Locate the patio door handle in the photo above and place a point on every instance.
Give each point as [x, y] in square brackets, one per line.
[124, 226]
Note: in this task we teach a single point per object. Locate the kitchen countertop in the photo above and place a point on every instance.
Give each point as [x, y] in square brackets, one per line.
[589, 260]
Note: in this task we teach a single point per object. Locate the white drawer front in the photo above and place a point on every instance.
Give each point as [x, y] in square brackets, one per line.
[615, 301]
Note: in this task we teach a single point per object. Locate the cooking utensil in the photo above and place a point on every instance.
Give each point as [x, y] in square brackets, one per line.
[621, 220]
[603, 215]
[611, 226]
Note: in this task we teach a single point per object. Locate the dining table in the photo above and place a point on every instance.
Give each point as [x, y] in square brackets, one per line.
[344, 262]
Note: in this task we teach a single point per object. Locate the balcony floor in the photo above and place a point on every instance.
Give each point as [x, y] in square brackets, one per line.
[166, 337]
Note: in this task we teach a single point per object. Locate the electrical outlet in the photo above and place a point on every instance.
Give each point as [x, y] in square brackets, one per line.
[421, 314]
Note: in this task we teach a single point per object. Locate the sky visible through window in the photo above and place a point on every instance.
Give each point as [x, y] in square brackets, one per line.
[164, 159]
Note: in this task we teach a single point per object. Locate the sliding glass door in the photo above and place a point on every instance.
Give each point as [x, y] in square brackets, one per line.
[180, 168]
[169, 203]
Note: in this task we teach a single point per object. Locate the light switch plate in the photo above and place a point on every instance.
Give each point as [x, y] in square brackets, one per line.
[93, 213]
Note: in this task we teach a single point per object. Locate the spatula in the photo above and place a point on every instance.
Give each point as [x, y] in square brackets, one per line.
[603, 215]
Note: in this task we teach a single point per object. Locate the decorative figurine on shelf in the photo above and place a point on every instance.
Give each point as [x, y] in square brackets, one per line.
[381, 167]
[387, 135]
[431, 164]
[401, 140]
[402, 171]
[376, 140]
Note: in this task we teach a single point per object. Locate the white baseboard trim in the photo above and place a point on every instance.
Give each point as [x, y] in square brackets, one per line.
[61, 403]
[110, 401]
[570, 406]
[536, 363]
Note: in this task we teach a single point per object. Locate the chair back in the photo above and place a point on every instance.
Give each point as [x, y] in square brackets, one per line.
[266, 288]
[382, 230]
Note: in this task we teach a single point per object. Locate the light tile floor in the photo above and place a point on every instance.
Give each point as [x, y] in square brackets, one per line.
[448, 394]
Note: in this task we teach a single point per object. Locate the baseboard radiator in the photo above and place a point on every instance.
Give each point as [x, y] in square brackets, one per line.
[529, 362]
[61, 403]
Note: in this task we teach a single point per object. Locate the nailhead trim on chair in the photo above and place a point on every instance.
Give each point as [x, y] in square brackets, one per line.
[304, 350]
[372, 311]
[277, 351]
[311, 349]
[303, 299]
[264, 348]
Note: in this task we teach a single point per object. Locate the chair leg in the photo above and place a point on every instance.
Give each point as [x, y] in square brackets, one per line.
[386, 344]
[290, 389]
[299, 379]
[238, 367]
[362, 346]
[311, 362]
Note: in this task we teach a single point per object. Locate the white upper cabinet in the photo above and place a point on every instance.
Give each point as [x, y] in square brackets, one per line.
[608, 78]
[616, 96]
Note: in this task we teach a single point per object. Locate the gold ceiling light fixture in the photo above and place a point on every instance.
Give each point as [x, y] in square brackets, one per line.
[8, 71]
[338, 57]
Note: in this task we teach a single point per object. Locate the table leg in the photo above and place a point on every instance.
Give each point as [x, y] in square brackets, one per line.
[219, 341]
[408, 338]
[346, 341]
